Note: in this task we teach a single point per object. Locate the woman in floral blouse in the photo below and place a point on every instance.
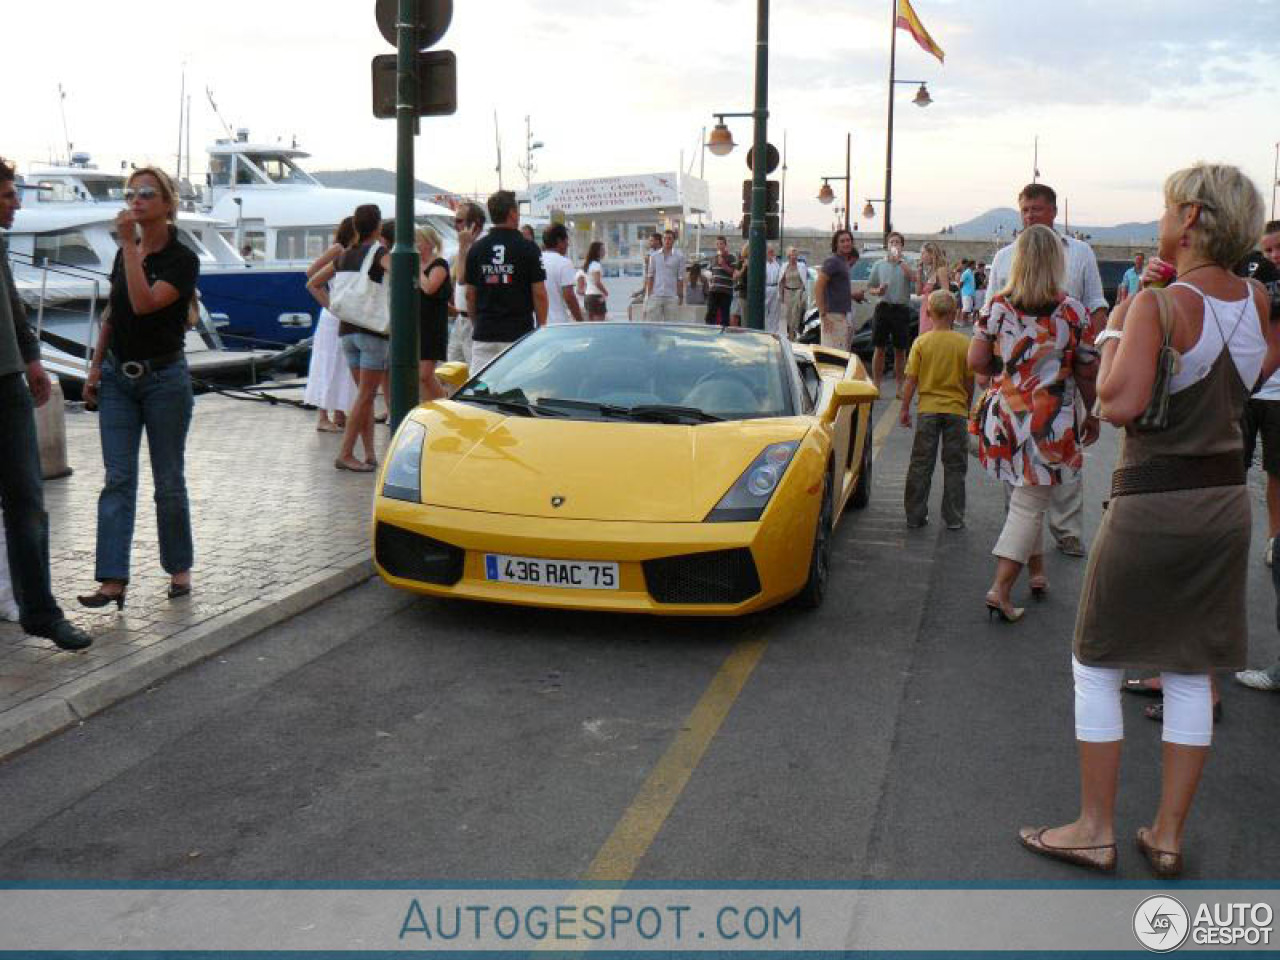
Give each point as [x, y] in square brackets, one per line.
[1031, 420]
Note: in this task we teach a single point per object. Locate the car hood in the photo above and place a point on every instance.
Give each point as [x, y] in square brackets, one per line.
[478, 459]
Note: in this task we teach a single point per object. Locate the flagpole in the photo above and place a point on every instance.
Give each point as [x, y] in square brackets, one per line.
[888, 161]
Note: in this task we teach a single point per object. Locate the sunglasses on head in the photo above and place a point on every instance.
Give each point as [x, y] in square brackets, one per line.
[142, 193]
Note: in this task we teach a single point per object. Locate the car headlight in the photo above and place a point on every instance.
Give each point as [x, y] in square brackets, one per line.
[748, 497]
[402, 479]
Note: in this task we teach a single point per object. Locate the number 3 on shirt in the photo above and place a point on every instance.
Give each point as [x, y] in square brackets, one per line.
[499, 254]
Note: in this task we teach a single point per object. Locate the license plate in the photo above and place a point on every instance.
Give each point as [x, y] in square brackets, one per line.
[535, 571]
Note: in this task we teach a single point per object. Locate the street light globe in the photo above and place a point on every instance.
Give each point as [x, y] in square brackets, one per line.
[868, 212]
[720, 142]
[826, 194]
[922, 98]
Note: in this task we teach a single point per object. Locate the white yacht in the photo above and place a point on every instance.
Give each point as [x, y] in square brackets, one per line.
[280, 219]
[61, 248]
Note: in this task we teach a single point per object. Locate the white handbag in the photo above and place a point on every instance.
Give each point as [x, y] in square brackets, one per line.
[354, 298]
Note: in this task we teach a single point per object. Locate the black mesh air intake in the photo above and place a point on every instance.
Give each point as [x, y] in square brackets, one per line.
[722, 576]
[410, 556]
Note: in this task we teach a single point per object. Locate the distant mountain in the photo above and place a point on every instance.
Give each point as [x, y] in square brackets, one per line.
[375, 179]
[1005, 220]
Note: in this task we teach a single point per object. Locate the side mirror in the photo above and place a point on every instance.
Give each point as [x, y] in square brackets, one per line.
[453, 375]
[848, 393]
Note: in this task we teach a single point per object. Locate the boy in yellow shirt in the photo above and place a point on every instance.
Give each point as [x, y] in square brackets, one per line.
[938, 371]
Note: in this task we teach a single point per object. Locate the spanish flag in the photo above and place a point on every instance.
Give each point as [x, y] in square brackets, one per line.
[908, 21]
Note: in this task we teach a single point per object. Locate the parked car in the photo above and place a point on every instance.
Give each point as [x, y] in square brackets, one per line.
[647, 468]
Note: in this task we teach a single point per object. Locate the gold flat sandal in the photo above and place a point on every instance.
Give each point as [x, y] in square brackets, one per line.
[1163, 863]
[1101, 858]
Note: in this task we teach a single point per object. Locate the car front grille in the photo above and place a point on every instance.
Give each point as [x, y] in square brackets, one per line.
[411, 556]
[721, 576]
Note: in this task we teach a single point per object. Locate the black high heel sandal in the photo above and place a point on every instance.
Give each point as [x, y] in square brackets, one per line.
[98, 599]
[1010, 614]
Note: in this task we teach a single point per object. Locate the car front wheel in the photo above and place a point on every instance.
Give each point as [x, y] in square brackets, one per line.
[862, 492]
[815, 587]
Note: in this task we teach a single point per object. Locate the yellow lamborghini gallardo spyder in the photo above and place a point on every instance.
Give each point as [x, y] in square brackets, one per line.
[648, 468]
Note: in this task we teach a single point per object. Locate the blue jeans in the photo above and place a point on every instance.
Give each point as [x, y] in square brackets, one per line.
[161, 403]
[26, 525]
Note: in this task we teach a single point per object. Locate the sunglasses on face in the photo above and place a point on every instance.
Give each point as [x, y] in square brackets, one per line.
[142, 193]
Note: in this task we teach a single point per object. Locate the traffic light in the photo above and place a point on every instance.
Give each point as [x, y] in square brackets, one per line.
[773, 193]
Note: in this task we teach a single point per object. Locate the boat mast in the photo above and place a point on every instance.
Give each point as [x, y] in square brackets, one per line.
[182, 100]
[218, 113]
[62, 107]
[497, 137]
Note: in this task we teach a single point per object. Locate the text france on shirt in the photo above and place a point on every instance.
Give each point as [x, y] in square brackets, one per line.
[497, 270]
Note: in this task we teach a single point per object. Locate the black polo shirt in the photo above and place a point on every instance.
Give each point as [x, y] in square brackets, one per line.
[163, 332]
[503, 267]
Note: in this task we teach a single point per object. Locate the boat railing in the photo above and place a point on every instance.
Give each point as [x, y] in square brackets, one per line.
[83, 274]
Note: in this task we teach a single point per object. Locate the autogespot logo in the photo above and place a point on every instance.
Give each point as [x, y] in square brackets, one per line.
[1161, 924]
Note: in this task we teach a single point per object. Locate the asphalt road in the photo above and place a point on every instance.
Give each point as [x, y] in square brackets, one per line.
[895, 734]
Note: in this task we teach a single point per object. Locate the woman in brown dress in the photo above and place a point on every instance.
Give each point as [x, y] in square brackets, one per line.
[1165, 586]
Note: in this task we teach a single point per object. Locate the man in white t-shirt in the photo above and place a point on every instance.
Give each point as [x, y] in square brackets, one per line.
[562, 301]
[664, 282]
[1038, 204]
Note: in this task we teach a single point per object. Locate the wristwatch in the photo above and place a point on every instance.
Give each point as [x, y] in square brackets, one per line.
[1105, 335]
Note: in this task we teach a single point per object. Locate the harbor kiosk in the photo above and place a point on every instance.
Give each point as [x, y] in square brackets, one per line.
[622, 212]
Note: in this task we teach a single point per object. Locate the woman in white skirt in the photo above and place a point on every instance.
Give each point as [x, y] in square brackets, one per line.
[329, 383]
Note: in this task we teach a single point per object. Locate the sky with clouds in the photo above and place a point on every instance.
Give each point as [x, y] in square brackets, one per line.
[1119, 94]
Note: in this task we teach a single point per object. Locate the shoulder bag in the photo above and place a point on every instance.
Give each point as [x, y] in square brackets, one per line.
[1168, 361]
[355, 299]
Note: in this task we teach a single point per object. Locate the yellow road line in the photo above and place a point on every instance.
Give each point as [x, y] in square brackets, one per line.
[884, 426]
[622, 852]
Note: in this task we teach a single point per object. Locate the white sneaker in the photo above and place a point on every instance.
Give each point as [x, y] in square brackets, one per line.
[1258, 679]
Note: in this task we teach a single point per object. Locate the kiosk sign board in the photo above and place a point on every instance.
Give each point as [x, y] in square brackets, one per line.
[645, 191]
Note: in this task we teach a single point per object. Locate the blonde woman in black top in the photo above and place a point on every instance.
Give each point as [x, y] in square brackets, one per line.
[140, 381]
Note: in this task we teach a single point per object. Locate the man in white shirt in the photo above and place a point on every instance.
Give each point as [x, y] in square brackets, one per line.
[773, 322]
[664, 282]
[562, 300]
[1038, 204]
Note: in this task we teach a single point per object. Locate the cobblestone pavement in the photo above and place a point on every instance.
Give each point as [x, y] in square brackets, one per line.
[277, 529]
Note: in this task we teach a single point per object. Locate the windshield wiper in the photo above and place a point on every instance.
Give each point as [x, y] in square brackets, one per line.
[509, 404]
[670, 413]
[608, 409]
[651, 412]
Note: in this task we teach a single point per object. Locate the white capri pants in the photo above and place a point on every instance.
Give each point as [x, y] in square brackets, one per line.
[1023, 533]
[1188, 706]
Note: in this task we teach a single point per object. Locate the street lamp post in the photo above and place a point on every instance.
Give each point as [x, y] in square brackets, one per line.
[922, 99]
[720, 143]
[826, 194]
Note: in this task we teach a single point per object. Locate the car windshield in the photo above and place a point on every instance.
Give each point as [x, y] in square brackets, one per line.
[639, 372]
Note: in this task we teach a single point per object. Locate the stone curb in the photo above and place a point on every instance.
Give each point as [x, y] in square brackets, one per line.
[72, 703]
